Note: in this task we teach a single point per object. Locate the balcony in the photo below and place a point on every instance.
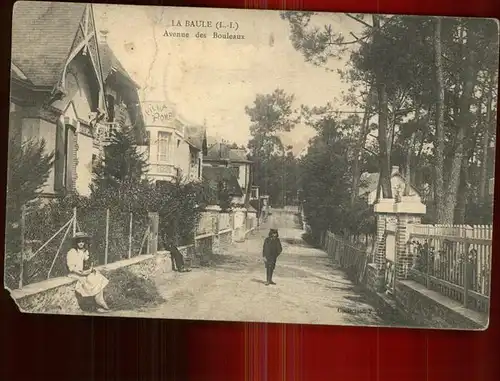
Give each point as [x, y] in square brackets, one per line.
[162, 171]
[121, 115]
[102, 133]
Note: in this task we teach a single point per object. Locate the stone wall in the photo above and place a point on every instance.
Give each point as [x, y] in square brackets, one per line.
[57, 294]
[225, 239]
[410, 301]
[419, 307]
[431, 309]
[372, 280]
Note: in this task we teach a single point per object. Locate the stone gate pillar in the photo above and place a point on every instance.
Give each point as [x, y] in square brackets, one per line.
[385, 211]
[409, 211]
[215, 211]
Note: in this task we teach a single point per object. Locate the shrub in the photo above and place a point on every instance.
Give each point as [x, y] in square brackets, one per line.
[118, 186]
[179, 206]
[28, 169]
[127, 291]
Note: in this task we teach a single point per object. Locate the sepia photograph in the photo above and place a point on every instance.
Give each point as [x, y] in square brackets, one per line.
[251, 165]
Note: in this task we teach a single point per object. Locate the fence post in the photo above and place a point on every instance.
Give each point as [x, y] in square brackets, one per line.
[153, 233]
[216, 227]
[74, 221]
[428, 265]
[23, 232]
[107, 238]
[130, 236]
[231, 225]
[466, 275]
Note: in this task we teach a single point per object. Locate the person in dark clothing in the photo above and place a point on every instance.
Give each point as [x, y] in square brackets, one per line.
[176, 258]
[271, 250]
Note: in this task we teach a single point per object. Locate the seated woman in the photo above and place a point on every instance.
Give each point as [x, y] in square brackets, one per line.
[90, 283]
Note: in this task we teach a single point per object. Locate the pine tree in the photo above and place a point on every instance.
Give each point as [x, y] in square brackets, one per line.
[122, 166]
[29, 168]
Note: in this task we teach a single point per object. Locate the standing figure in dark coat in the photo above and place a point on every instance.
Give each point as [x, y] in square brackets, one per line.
[176, 257]
[272, 249]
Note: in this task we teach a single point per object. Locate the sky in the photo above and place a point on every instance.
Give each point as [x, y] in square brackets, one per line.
[212, 80]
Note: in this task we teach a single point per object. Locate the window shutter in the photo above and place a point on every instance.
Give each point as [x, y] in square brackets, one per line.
[59, 157]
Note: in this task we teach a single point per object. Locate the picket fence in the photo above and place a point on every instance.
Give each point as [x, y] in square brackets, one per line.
[454, 260]
[350, 256]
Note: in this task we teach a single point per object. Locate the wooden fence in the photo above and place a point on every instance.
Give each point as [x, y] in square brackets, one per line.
[350, 257]
[45, 236]
[42, 240]
[453, 260]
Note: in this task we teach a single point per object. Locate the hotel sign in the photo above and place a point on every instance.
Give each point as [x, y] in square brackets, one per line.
[158, 114]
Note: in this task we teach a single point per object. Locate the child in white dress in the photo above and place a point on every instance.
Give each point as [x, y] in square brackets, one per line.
[90, 282]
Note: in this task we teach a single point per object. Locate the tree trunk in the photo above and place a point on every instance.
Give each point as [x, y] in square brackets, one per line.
[463, 187]
[469, 83]
[383, 121]
[379, 188]
[439, 192]
[462, 193]
[409, 155]
[417, 176]
[483, 182]
[356, 170]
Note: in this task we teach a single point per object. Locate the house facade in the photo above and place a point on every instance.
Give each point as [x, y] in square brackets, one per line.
[68, 88]
[57, 89]
[174, 148]
[230, 167]
[369, 183]
[121, 95]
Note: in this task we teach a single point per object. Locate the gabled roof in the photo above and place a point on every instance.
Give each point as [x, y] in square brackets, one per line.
[109, 62]
[222, 152]
[237, 154]
[228, 175]
[196, 137]
[16, 73]
[369, 181]
[42, 37]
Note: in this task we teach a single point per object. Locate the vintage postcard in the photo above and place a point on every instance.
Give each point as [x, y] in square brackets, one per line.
[251, 165]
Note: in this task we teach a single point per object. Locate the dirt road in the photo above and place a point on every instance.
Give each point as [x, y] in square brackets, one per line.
[310, 289]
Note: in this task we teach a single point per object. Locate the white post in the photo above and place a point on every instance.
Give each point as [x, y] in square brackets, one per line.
[74, 221]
